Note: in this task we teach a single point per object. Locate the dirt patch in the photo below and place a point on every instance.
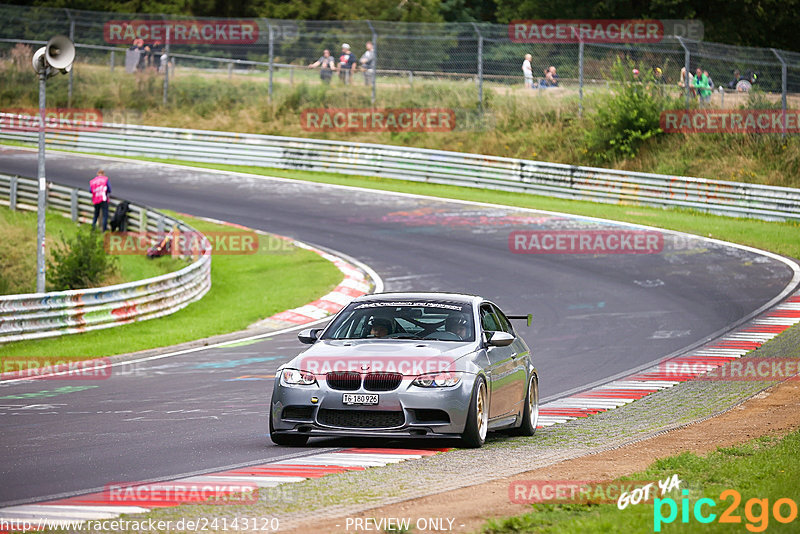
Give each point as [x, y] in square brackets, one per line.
[774, 413]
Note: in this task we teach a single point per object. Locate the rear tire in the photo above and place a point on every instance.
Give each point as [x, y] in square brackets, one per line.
[474, 435]
[530, 415]
[286, 440]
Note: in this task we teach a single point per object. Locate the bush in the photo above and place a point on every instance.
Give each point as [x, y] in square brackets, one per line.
[80, 262]
[629, 117]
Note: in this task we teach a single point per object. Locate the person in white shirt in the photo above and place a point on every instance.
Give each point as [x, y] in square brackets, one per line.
[527, 71]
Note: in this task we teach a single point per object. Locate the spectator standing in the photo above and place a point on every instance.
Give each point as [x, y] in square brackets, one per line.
[687, 78]
[347, 64]
[702, 86]
[156, 51]
[527, 71]
[100, 189]
[368, 64]
[134, 56]
[327, 65]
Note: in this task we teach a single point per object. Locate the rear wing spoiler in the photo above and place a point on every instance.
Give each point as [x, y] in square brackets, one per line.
[528, 317]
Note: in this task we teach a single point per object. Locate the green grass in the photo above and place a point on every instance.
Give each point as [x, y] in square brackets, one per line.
[764, 468]
[515, 123]
[779, 237]
[18, 253]
[245, 288]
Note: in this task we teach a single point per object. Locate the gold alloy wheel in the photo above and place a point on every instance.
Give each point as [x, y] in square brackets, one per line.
[533, 402]
[482, 413]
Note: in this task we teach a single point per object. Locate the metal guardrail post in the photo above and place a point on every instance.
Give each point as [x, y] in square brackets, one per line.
[375, 59]
[271, 58]
[580, 77]
[42, 190]
[480, 67]
[166, 68]
[73, 205]
[143, 220]
[784, 74]
[12, 193]
[113, 58]
[687, 66]
[72, 70]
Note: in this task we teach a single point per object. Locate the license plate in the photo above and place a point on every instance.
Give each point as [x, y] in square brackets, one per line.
[352, 399]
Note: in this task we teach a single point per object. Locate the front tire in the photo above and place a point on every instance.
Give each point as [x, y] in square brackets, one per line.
[530, 414]
[286, 440]
[474, 435]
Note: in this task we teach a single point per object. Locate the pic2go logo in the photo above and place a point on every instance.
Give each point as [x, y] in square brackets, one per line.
[756, 511]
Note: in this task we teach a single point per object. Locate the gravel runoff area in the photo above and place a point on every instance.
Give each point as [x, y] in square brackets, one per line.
[320, 500]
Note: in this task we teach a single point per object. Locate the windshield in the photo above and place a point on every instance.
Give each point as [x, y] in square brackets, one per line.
[404, 319]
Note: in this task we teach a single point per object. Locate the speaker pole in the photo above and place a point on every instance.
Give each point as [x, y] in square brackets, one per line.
[56, 56]
[42, 204]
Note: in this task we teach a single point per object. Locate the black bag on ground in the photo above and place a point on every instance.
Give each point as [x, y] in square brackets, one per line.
[119, 222]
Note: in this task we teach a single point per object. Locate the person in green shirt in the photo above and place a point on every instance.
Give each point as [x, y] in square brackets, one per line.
[702, 84]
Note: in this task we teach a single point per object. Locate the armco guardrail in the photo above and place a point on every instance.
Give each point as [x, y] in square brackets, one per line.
[52, 314]
[436, 166]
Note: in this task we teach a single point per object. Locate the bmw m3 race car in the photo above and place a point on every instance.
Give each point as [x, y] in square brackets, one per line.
[408, 365]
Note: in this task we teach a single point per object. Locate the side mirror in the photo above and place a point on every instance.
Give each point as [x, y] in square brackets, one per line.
[501, 339]
[309, 335]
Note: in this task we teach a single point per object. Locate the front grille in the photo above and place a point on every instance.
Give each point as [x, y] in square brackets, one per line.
[304, 413]
[361, 418]
[343, 380]
[382, 381]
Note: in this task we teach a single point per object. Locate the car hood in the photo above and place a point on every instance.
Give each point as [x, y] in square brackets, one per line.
[406, 356]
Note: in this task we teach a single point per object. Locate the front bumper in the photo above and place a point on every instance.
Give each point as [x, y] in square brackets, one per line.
[407, 411]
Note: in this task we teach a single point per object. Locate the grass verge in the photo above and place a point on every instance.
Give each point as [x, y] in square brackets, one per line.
[244, 289]
[514, 122]
[764, 470]
[18, 253]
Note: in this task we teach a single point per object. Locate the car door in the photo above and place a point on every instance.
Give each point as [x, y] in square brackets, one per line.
[519, 374]
[501, 366]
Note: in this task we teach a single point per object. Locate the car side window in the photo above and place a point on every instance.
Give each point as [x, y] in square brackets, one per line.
[505, 324]
[488, 319]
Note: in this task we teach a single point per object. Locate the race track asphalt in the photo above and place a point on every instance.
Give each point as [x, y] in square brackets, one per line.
[595, 316]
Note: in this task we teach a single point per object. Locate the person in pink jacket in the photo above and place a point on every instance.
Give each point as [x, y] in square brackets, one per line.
[101, 190]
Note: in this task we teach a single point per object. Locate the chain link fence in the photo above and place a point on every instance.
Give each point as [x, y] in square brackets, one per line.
[459, 63]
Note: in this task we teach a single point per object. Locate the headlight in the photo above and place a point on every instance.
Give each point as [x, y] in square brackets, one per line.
[293, 377]
[444, 379]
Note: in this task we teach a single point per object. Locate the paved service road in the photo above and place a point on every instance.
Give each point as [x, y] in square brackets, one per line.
[595, 316]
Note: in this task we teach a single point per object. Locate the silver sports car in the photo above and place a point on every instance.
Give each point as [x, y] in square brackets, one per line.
[408, 365]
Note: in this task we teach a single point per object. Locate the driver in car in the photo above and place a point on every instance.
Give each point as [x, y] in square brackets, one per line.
[380, 327]
[456, 324]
